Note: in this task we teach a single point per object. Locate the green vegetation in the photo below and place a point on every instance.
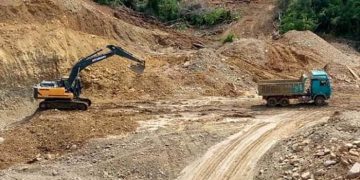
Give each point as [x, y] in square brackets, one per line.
[138, 5]
[229, 38]
[170, 10]
[110, 2]
[340, 17]
[165, 10]
[210, 17]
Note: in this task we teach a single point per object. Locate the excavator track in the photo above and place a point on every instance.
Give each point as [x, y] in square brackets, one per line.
[88, 101]
[78, 104]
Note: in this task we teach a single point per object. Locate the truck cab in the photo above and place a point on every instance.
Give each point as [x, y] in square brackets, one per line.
[320, 87]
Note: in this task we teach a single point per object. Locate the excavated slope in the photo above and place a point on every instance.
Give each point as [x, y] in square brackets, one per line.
[41, 40]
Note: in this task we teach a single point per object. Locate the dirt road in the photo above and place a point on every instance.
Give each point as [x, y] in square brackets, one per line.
[236, 157]
[256, 20]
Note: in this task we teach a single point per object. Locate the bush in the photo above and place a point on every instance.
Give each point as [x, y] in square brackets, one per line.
[169, 10]
[210, 17]
[298, 16]
[110, 2]
[138, 5]
[166, 10]
[229, 38]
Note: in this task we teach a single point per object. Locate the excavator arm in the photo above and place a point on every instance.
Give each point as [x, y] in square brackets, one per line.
[71, 84]
[65, 93]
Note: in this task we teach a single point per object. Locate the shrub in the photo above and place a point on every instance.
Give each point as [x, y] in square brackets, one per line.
[110, 2]
[298, 16]
[210, 17]
[166, 10]
[229, 38]
[169, 10]
[138, 5]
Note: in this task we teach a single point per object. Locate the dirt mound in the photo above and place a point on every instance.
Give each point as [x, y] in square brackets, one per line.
[296, 53]
[52, 133]
[326, 151]
[324, 51]
[269, 60]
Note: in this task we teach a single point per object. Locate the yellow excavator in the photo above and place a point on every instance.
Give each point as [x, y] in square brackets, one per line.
[65, 93]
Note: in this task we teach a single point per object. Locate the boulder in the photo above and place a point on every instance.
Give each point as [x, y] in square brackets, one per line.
[306, 175]
[329, 163]
[354, 171]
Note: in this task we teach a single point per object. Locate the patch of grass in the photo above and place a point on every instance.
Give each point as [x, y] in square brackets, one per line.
[229, 38]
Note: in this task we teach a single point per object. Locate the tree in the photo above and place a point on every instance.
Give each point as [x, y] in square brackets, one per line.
[341, 17]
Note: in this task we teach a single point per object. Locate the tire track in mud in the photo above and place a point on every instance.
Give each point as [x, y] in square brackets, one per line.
[236, 157]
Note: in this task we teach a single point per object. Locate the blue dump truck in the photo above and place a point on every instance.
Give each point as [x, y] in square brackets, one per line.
[279, 92]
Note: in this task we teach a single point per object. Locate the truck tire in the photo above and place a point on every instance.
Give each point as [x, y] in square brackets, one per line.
[284, 102]
[319, 101]
[271, 102]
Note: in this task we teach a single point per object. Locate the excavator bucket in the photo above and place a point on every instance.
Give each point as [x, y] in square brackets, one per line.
[138, 68]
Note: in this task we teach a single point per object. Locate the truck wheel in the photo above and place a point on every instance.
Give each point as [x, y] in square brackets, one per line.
[284, 102]
[319, 101]
[271, 102]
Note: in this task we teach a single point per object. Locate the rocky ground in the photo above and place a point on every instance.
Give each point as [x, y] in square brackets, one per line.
[329, 150]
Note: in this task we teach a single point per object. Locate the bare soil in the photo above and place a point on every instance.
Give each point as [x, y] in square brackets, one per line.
[193, 114]
[55, 132]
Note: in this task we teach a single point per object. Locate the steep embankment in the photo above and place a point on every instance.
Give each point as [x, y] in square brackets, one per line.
[40, 40]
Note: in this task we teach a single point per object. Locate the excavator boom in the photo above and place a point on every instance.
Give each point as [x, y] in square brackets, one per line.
[65, 93]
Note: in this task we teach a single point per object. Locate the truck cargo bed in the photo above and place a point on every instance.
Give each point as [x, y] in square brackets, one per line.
[285, 87]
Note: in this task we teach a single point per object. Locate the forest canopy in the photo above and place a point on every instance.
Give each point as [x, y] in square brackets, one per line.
[339, 17]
